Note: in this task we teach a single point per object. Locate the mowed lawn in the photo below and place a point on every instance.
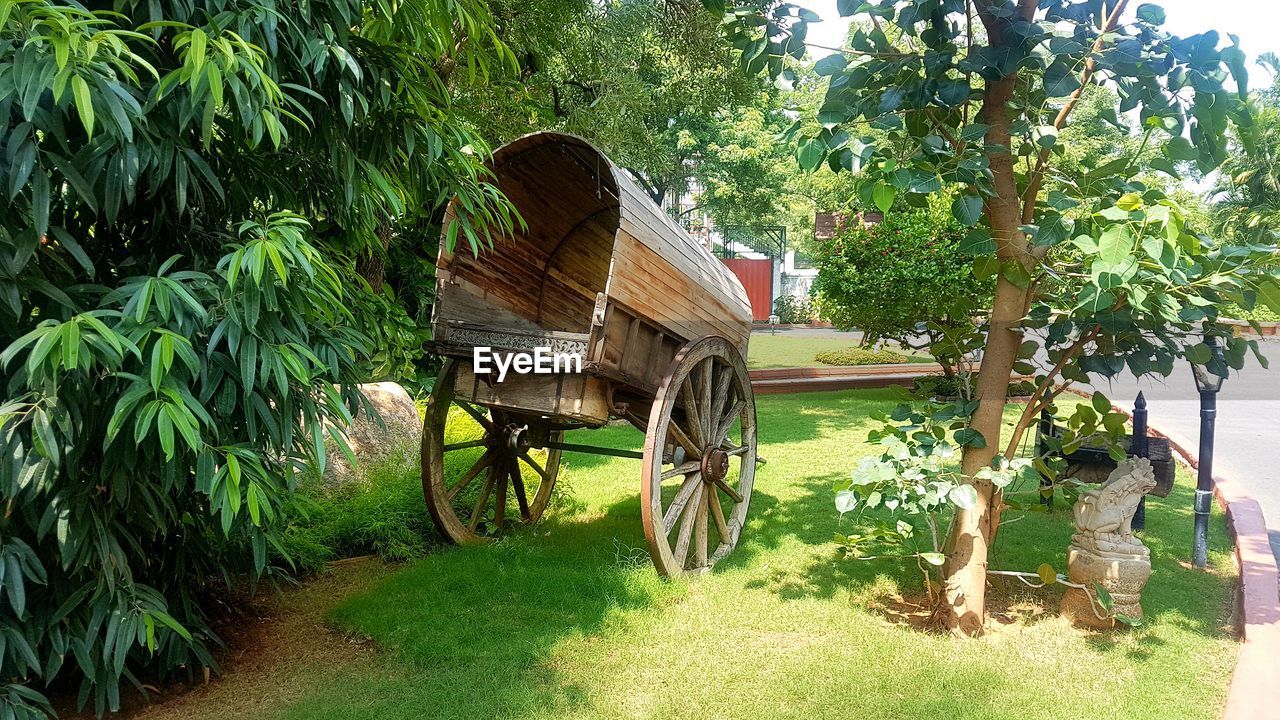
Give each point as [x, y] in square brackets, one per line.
[793, 349]
[569, 620]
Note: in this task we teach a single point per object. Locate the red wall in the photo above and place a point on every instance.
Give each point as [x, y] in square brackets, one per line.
[757, 277]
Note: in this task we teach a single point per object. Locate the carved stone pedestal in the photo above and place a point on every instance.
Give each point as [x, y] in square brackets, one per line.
[1105, 552]
[1123, 577]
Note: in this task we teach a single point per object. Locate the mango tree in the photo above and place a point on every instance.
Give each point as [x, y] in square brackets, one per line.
[1097, 269]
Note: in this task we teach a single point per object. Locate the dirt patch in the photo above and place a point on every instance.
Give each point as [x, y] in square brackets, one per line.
[276, 649]
[1008, 605]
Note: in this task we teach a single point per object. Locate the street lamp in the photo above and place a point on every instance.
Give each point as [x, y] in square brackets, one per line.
[1208, 382]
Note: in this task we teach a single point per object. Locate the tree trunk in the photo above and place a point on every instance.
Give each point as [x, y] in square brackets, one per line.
[373, 267]
[963, 609]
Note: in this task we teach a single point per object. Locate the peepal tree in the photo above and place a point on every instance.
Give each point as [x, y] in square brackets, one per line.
[1097, 261]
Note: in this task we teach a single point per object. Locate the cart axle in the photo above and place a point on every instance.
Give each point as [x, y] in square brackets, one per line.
[596, 450]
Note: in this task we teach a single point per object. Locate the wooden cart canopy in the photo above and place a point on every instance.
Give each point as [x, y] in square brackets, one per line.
[593, 239]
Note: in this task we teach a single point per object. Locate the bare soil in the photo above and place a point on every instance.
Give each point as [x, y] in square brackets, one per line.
[276, 648]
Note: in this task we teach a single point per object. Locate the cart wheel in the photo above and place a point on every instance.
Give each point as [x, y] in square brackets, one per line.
[460, 444]
[701, 438]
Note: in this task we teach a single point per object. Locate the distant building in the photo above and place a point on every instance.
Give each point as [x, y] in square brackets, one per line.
[827, 224]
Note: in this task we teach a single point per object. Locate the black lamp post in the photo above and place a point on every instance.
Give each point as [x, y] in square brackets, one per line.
[1208, 382]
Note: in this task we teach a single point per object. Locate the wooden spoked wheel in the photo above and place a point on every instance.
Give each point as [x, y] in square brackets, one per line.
[481, 473]
[699, 458]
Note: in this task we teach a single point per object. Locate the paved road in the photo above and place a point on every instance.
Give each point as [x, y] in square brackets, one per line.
[1247, 443]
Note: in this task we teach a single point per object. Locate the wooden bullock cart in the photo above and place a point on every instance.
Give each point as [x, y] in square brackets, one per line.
[662, 329]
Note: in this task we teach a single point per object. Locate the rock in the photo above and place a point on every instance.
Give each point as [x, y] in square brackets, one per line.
[1105, 551]
[375, 446]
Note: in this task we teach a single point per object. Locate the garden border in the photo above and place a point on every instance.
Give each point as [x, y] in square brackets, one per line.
[1255, 688]
[773, 381]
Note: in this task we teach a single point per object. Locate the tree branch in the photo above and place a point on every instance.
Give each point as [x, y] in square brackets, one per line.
[1034, 401]
[654, 191]
[1036, 179]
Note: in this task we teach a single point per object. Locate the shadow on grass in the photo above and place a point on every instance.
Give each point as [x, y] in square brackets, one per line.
[1176, 595]
[475, 625]
[473, 632]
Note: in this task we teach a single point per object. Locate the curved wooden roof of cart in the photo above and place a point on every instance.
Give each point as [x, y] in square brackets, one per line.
[590, 230]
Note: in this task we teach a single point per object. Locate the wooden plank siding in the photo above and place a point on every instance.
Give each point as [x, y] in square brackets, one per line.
[668, 277]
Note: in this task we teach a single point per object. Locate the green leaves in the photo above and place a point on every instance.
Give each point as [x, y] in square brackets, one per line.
[954, 92]
[125, 389]
[831, 64]
[1047, 574]
[1200, 354]
[977, 242]
[964, 497]
[986, 266]
[1053, 229]
[1060, 79]
[84, 103]
[968, 437]
[1269, 295]
[967, 209]
[1015, 272]
[1115, 264]
[883, 195]
[846, 501]
[810, 154]
[1151, 14]
[1179, 149]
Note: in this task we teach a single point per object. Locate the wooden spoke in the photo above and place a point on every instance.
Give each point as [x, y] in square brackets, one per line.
[706, 369]
[704, 395]
[533, 464]
[483, 500]
[450, 492]
[722, 391]
[522, 499]
[680, 501]
[481, 464]
[690, 449]
[687, 521]
[479, 416]
[683, 469]
[700, 529]
[726, 422]
[692, 418]
[717, 514]
[500, 503]
[720, 483]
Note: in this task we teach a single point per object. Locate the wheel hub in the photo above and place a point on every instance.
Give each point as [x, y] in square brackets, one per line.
[514, 438]
[715, 464]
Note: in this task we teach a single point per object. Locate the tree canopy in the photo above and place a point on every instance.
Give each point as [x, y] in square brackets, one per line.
[1097, 271]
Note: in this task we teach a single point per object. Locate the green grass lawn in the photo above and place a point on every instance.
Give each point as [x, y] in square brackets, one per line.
[569, 620]
[788, 350]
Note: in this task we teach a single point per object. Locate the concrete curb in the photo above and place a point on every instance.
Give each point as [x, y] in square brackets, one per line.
[1255, 686]
[774, 381]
